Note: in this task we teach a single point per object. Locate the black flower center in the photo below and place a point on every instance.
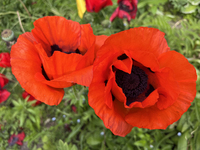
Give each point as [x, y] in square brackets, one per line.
[132, 84]
[57, 48]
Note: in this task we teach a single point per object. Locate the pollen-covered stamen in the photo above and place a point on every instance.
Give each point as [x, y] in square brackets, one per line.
[57, 48]
[132, 84]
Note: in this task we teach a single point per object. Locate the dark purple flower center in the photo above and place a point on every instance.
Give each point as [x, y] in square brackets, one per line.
[132, 84]
[57, 48]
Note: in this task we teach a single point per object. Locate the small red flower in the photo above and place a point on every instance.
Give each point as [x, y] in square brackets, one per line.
[4, 94]
[127, 9]
[97, 5]
[138, 82]
[25, 94]
[57, 53]
[73, 107]
[16, 139]
[5, 60]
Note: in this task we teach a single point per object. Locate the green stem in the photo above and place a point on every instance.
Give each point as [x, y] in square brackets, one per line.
[15, 13]
[81, 91]
[164, 138]
[196, 110]
[62, 112]
[75, 92]
[3, 70]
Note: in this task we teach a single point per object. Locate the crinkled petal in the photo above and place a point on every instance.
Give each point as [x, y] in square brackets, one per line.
[25, 63]
[56, 30]
[112, 118]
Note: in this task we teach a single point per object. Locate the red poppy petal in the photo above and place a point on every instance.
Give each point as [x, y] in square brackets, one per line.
[21, 136]
[152, 40]
[53, 65]
[87, 38]
[183, 72]
[3, 80]
[125, 65]
[112, 118]
[168, 88]
[86, 47]
[149, 101]
[25, 64]
[82, 77]
[25, 94]
[51, 30]
[4, 94]
[153, 118]
[97, 5]
[5, 60]
[182, 69]
[102, 67]
[114, 14]
[117, 92]
[100, 39]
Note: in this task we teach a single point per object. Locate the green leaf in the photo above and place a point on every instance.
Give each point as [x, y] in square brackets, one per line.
[188, 9]
[194, 2]
[16, 103]
[93, 140]
[141, 143]
[182, 142]
[32, 118]
[197, 140]
[22, 119]
[62, 146]
[31, 111]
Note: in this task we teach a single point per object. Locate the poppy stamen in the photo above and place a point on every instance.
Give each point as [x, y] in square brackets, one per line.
[132, 84]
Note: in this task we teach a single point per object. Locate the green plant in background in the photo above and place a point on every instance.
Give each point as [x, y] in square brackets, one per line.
[60, 127]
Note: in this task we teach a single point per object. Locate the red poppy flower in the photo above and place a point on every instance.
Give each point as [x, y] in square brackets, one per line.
[5, 60]
[56, 54]
[73, 107]
[4, 94]
[127, 9]
[139, 82]
[31, 98]
[16, 139]
[97, 5]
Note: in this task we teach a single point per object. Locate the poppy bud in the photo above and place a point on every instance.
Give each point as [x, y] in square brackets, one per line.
[8, 36]
[73, 107]
[106, 23]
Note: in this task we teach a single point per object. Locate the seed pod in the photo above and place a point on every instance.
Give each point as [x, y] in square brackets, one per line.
[8, 36]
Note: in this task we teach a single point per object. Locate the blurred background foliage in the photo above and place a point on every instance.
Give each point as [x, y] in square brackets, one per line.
[73, 125]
